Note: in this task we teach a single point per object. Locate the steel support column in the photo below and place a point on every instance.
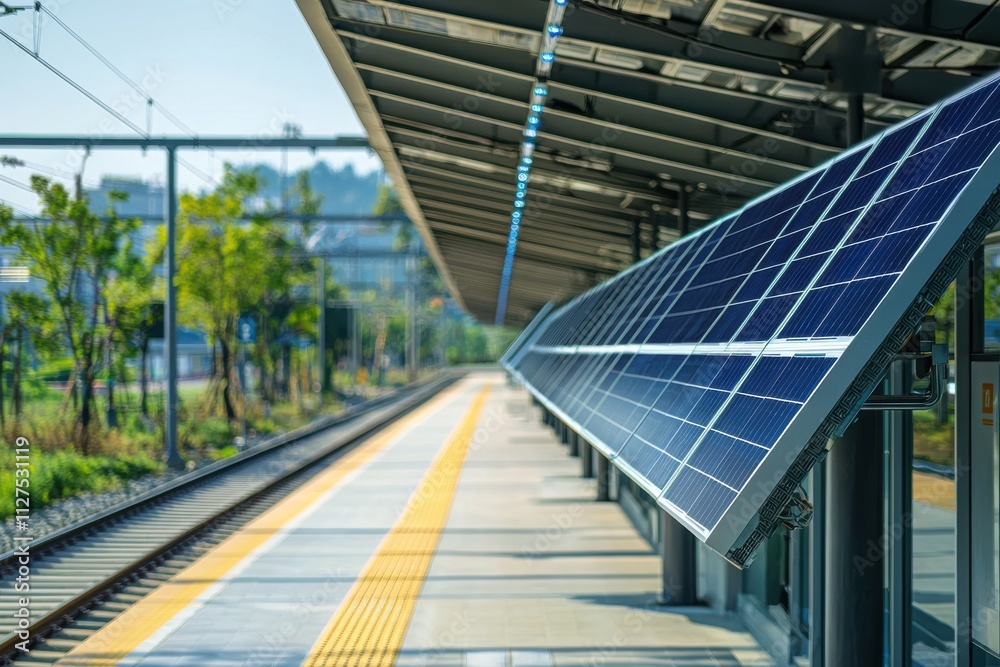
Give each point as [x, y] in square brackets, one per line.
[321, 330]
[412, 325]
[174, 460]
[817, 566]
[683, 222]
[854, 588]
[899, 458]
[677, 554]
[586, 459]
[855, 118]
[636, 240]
[969, 340]
[854, 618]
[602, 473]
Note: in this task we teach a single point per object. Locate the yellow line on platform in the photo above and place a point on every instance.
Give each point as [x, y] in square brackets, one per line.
[125, 633]
[370, 624]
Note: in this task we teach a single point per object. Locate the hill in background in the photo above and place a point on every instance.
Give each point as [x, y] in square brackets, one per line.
[343, 190]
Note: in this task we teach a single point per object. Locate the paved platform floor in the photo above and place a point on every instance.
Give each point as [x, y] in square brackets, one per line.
[532, 571]
[367, 562]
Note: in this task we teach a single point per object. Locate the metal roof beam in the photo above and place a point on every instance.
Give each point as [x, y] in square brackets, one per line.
[317, 16]
[568, 70]
[565, 203]
[551, 171]
[599, 126]
[552, 213]
[546, 139]
[538, 226]
[891, 16]
[568, 257]
[492, 156]
[591, 25]
[545, 226]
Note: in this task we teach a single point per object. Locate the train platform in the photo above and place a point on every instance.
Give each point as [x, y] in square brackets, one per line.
[460, 535]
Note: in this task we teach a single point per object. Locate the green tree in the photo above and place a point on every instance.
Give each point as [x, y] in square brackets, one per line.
[226, 267]
[75, 255]
[28, 324]
[284, 314]
[131, 295]
[387, 203]
[306, 200]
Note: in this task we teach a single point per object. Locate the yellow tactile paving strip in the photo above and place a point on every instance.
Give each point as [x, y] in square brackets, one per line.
[370, 624]
[123, 635]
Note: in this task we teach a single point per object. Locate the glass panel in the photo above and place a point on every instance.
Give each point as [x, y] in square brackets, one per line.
[991, 258]
[985, 547]
[985, 471]
[934, 559]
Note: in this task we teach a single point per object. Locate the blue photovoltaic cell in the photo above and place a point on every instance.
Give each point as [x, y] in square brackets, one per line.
[690, 368]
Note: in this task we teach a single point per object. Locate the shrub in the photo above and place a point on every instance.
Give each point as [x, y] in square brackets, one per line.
[224, 452]
[213, 432]
[57, 475]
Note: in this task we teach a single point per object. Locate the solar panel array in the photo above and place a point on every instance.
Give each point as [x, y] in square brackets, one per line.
[714, 372]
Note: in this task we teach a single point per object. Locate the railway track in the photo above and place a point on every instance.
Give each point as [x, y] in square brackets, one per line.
[85, 574]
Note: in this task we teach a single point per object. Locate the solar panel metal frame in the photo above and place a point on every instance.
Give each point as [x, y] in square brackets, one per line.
[527, 336]
[755, 512]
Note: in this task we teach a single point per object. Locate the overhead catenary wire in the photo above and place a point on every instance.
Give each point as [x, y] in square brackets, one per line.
[89, 95]
[56, 172]
[37, 29]
[151, 103]
[17, 184]
[120, 74]
[97, 54]
[208, 178]
[14, 207]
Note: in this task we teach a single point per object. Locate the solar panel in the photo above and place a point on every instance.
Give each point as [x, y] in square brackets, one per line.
[714, 372]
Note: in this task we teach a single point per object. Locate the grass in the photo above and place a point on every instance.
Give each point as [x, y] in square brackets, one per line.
[61, 474]
[933, 441]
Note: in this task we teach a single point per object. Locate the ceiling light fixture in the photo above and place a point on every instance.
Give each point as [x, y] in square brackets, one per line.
[546, 59]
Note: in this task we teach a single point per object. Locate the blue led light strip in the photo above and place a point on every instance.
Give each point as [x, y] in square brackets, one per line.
[546, 56]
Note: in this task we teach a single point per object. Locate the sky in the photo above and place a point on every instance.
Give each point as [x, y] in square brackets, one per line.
[222, 67]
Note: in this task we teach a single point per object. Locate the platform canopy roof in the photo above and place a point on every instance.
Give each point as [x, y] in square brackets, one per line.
[653, 106]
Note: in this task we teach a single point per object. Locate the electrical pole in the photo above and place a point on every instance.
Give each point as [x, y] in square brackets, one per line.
[321, 329]
[243, 390]
[288, 131]
[174, 459]
[412, 347]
